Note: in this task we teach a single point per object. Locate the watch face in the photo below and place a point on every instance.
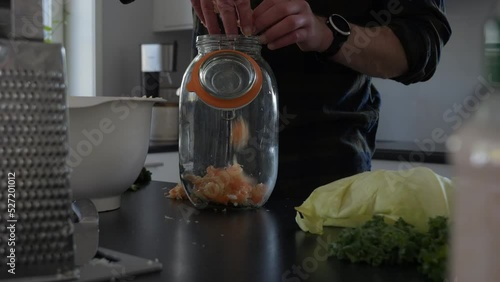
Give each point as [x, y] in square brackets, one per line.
[340, 24]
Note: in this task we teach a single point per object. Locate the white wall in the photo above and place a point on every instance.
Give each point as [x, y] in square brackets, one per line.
[124, 28]
[413, 112]
[80, 42]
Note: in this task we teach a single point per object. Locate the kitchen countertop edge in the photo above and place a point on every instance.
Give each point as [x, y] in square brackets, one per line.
[163, 147]
[410, 152]
[385, 150]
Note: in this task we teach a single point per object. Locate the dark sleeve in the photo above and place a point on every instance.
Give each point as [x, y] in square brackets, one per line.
[423, 30]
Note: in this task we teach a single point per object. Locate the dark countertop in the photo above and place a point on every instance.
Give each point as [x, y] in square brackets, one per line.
[385, 150]
[250, 245]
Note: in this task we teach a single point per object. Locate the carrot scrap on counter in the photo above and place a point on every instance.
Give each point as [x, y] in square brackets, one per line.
[177, 193]
[223, 186]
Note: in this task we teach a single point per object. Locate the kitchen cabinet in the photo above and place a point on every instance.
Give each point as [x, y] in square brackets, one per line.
[170, 15]
[163, 166]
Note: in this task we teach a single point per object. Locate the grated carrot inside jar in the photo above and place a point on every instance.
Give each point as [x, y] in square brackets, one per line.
[224, 186]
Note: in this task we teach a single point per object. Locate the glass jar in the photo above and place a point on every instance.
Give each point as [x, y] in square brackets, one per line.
[475, 152]
[228, 134]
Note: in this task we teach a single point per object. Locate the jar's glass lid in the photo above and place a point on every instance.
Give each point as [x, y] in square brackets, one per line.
[226, 79]
[227, 75]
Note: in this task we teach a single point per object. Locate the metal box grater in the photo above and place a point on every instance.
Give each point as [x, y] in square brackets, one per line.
[34, 147]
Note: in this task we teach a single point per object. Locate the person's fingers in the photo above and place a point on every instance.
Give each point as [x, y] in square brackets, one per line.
[286, 22]
[263, 7]
[197, 9]
[227, 10]
[271, 12]
[287, 32]
[234, 14]
[245, 16]
[208, 9]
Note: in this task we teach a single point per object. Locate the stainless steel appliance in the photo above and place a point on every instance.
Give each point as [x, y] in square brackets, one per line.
[158, 61]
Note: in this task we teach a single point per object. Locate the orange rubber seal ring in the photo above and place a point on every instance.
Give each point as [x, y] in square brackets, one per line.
[195, 85]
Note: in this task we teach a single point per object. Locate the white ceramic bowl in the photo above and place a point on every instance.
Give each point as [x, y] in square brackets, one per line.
[109, 139]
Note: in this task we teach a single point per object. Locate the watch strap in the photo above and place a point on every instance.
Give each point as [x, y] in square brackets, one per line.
[338, 38]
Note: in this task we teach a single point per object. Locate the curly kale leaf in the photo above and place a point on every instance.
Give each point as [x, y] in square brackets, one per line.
[377, 243]
[433, 256]
[143, 178]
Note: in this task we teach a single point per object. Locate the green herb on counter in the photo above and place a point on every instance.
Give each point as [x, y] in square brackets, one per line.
[434, 253]
[377, 243]
[143, 179]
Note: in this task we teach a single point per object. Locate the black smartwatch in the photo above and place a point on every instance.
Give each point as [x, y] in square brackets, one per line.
[341, 31]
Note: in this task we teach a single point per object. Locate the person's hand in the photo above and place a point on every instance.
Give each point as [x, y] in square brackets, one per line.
[231, 12]
[285, 22]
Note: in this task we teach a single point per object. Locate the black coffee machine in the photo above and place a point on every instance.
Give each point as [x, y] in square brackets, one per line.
[158, 61]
